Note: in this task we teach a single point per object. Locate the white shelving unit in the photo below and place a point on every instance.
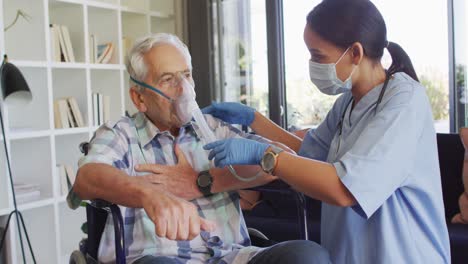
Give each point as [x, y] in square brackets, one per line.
[35, 146]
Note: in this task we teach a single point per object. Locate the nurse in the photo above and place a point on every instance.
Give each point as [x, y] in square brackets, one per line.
[373, 160]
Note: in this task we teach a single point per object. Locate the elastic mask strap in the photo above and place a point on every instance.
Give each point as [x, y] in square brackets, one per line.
[151, 88]
[344, 53]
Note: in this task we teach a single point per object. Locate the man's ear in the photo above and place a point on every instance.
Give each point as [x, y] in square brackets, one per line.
[357, 52]
[138, 99]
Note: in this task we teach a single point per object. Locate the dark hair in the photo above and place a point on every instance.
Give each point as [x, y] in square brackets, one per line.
[344, 22]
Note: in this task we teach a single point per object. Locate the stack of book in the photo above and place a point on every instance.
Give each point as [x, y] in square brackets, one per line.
[127, 44]
[66, 178]
[26, 192]
[67, 114]
[100, 53]
[62, 49]
[101, 109]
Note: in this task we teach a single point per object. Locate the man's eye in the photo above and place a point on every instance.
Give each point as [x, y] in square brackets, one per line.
[188, 75]
[166, 79]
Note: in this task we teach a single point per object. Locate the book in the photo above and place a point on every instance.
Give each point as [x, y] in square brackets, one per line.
[108, 56]
[75, 110]
[71, 117]
[71, 176]
[127, 44]
[68, 44]
[63, 179]
[26, 192]
[104, 52]
[93, 48]
[63, 113]
[64, 55]
[57, 117]
[55, 43]
[25, 187]
[106, 108]
[100, 108]
[28, 197]
[95, 109]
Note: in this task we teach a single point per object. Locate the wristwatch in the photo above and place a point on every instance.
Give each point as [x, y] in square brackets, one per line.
[270, 159]
[204, 182]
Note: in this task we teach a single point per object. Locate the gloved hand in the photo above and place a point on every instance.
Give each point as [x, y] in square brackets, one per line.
[236, 151]
[232, 113]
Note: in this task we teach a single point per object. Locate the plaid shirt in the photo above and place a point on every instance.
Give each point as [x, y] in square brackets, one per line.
[137, 140]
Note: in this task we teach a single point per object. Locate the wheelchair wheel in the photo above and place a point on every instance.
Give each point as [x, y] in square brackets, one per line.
[259, 239]
[77, 258]
[256, 233]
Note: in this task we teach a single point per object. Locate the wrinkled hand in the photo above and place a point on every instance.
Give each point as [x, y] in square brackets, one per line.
[236, 151]
[180, 179]
[232, 113]
[462, 217]
[173, 217]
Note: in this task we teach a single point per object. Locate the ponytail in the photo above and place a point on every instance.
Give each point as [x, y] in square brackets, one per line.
[400, 61]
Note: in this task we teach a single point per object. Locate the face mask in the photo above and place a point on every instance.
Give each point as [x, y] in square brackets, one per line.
[184, 104]
[325, 78]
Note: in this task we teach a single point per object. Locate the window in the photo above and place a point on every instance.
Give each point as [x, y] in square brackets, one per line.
[241, 44]
[242, 61]
[459, 63]
[425, 38]
[306, 105]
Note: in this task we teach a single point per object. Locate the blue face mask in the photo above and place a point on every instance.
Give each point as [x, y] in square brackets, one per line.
[325, 78]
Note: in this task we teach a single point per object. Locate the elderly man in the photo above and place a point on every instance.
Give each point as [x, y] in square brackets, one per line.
[164, 223]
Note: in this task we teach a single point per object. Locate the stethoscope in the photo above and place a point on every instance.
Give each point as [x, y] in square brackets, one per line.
[381, 94]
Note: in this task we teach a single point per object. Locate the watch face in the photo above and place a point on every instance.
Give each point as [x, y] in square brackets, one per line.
[268, 161]
[204, 180]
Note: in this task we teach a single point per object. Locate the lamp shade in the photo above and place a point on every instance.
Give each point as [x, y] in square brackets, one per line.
[14, 86]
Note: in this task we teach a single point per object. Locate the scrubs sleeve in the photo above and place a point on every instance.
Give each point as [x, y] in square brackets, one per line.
[381, 158]
[316, 143]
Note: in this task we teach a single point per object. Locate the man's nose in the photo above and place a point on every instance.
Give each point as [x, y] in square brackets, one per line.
[177, 85]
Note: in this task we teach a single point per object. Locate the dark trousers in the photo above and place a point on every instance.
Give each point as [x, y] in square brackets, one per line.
[290, 252]
[294, 252]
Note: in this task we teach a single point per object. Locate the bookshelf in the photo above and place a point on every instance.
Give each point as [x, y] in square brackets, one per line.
[35, 145]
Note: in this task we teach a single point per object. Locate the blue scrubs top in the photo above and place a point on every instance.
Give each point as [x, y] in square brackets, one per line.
[387, 158]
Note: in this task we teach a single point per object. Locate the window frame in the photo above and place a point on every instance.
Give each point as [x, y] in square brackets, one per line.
[209, 87]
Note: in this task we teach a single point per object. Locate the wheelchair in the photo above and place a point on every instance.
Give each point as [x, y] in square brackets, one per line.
[98, 210]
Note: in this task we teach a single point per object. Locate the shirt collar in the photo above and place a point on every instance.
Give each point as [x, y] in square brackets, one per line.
[371, 97]
[147, 131]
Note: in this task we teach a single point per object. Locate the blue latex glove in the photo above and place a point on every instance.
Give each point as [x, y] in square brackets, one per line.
[232, 113]
[236, 151]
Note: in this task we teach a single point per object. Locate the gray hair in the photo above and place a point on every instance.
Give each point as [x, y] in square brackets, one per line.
[134, 62]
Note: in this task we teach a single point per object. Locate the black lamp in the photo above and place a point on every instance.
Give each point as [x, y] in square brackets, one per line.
[14, 88]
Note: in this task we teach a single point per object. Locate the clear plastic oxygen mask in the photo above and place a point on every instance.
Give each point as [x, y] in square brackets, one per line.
[186, 106]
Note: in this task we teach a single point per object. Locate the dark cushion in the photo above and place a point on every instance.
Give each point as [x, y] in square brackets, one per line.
[451, 154]
[458, 243]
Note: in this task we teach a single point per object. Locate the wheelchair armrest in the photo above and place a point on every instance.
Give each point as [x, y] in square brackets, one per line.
[100, 204]
[97, 211]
